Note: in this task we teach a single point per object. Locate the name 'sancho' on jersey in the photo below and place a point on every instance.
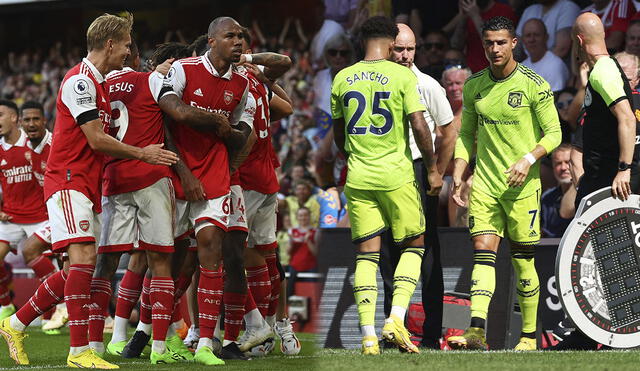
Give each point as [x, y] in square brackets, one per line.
[368, 76]
[18, 174]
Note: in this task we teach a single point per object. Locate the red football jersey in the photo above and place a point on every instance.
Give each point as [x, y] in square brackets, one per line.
[199, 85]
[137, 121]
[258, 171]
[72, 164]
[21, 193]
[302, 259]
[39, 156]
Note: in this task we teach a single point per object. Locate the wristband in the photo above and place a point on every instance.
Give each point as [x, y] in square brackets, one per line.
[529, 157]
[248, 58]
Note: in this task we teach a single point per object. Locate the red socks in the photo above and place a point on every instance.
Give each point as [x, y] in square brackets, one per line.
[209, 300]
[145, 302]
[100, 296]
[259, 283]
[274, 276]
[43, 267]
[49, 293]
[233, 313]
[5, 279]
[77, 295]
[128, 293]
[161, 294]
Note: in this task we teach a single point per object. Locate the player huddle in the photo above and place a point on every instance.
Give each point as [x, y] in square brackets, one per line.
[206, 204]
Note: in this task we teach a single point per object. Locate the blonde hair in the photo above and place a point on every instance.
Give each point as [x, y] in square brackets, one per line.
[108, 26]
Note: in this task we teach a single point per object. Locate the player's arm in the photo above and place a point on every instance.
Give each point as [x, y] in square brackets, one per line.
[339, 132]
[279, 108]
[608, 83]
[275, 65]
[4, 217]
[170, 102]
[422, 135]
[193, 189]
[239, 151]
[440, 110]
[547, 115]
[465, 144]
[271, 84]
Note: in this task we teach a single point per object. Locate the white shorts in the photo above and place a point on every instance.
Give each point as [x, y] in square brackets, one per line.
[13, 233]
[201, 214]
[261, 218]
[72, 219]
[237, 217]
[145, 216]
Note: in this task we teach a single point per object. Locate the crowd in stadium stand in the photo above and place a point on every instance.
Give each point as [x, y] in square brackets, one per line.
[448, 49]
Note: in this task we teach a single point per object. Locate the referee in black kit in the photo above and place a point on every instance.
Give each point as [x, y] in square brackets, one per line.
[438, 115]
[608, 128]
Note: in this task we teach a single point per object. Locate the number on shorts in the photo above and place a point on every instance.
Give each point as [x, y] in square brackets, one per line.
[533, 213]
[225, 206]
[376, 110]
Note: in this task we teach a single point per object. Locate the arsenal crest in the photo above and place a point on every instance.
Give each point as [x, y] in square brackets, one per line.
[84, 225]
[228, 96]
[27, 156]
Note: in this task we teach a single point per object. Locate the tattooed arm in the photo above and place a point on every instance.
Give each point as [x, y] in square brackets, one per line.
[275, 64]
[194, 117]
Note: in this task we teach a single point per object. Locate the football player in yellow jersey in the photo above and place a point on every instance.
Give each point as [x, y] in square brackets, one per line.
[506, 109]
[370, 103]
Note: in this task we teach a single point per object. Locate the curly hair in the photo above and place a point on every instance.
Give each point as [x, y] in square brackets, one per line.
[499, 23]
[378, 27]
[169, 50]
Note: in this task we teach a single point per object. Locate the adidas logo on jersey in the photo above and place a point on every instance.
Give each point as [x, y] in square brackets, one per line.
[478, 96]
[198, 92]
[4, 162]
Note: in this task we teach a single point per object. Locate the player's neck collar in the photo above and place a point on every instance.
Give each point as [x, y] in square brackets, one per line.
[504, 78]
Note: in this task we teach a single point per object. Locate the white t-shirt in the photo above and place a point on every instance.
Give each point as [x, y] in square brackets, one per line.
[322, 90]
[552, 69]
[562, 15]
[438, 108]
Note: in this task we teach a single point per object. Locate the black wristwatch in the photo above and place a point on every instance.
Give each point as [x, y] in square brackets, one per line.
[622, 166]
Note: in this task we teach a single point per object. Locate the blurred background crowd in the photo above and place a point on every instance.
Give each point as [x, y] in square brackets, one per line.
[321, 38]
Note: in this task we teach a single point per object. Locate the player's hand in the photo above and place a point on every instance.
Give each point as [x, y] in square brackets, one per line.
[235, 139]
[223, 131]
[435, 183]
[193, 189]
[154, 154]
[518, 173]
[470, 7]
[456, 192]
[4, 217]
[242, 61]
[621, 186]
[584, 75]
[255, 71]
[165, 66]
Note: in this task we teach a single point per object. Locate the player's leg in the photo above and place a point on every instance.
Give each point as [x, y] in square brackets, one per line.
[6, 304]
[289, 343]
[129, 292]
[117, 236]
[486, 225]
[367, 223]
[402, 207]
[523, 225]
[155, 229]
[209, 218]
[235, 282]
[34, 246]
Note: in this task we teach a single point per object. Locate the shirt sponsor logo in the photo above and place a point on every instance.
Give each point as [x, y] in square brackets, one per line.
[17, 174]
[209, 109]
[482, 120]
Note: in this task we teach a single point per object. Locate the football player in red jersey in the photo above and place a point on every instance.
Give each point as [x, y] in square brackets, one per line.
[260, 184]
[72, 186]
[23, 212]
[33, 123]
[144, 193]
[209, 82]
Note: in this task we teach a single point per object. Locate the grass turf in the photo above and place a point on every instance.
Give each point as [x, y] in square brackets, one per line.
[389, 360]
[49, 352]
